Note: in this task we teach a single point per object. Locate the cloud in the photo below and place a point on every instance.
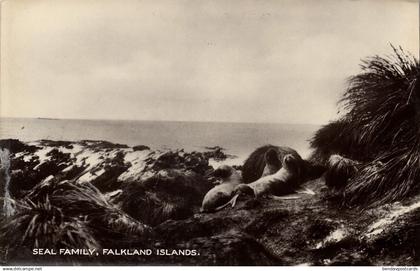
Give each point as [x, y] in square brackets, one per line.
[235, 60]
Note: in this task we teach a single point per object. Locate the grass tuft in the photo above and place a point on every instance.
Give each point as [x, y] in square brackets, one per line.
[380, 129]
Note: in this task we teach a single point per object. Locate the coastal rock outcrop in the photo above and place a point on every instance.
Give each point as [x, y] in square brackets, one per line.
[109, 195]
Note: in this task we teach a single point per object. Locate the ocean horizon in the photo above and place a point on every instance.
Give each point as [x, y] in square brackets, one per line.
[238, 139]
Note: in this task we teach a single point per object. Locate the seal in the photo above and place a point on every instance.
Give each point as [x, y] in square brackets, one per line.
[218, 196]
[282, 182]
[268, 159]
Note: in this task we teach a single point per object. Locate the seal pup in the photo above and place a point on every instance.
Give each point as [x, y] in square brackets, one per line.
[218, 196]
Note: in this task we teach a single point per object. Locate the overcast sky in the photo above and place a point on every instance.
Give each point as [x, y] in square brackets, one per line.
[240, 60]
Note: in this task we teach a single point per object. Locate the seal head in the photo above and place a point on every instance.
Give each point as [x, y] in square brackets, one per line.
[223, 192]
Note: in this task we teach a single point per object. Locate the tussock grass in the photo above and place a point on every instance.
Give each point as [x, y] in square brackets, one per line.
[383, 104]
[103, 217]
[383, 101]
[63, 214]
[42, 225]
[340, 171]
[336, 137]
[390, 177]
[382, 122]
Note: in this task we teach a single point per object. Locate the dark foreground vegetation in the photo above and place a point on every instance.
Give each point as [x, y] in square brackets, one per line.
[380, 131]
[99, 195]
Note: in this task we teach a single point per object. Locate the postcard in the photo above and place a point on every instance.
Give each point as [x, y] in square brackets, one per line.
[210, 133]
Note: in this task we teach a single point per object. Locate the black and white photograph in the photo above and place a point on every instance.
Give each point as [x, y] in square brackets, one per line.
[210, 133]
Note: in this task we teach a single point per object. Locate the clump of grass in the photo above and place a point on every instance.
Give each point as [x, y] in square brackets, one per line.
[64, 214]
[382, 101]
[340, 171]
[167, 195]
[336, 137]
[103, 217]
[42, 225]
[382, 106]
[392, 176]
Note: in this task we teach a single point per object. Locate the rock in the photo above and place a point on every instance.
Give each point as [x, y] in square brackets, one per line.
[194, 161]
[228, 248]
[398, 242]
[216, 153]
[26, 173]
[141, 148]
[102, 144]
[349, 259]
[58, 143]
[16, 146]
[108, 181]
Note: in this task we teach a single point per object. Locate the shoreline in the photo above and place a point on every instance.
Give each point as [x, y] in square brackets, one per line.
[174, 121]
[239, 139]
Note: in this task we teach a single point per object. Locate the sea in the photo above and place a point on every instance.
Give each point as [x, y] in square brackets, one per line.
[238, 139]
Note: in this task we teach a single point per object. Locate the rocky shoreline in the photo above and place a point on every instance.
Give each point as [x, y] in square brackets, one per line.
[137, 198]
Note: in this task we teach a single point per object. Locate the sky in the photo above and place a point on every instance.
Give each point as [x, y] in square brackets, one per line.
[283, 61]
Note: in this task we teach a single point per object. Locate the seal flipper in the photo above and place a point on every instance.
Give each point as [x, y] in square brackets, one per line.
[304, 190]
[232, 202]
[283, 197]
